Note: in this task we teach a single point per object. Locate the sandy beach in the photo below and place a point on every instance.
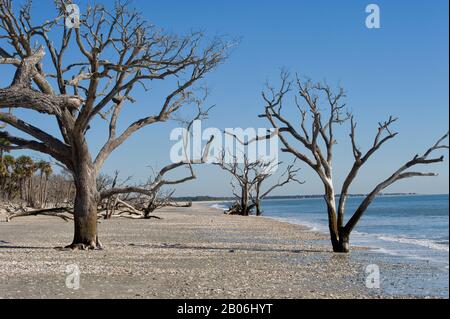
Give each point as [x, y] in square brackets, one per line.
[190, 253]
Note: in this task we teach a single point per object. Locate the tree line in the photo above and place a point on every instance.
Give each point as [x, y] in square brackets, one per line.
[32, 183]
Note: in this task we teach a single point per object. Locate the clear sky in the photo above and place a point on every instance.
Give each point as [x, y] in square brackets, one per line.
[400, 69]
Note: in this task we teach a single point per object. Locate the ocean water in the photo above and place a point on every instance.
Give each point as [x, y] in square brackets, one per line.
[410, 229]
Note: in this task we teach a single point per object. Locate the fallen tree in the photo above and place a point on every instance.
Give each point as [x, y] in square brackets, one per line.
[14, 211]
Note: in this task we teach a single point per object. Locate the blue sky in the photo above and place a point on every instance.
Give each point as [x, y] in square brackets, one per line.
[400, 69]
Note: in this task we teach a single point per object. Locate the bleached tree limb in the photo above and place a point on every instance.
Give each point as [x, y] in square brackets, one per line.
[60, 212]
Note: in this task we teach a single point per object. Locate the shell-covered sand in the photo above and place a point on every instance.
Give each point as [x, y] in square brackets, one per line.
[191, 253]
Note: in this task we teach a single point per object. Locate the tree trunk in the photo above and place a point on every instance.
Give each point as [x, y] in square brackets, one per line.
[342, 244]
[41, 191]
[44, 197]
[258, 208]
[258, 199]
[244, 200]
[85, 208]
[340, 241]
[31, 198]
[22, 195]
[339, 238]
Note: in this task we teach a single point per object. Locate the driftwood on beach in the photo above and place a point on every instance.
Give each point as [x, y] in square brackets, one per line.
[120, 209]
[62, 212]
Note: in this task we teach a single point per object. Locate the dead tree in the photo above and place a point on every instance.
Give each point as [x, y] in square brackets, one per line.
[262, 176]
[248, 178]
[315, 134]
[159, 199]
[105, 182]
[152, 189]
[154, 185]
[149, 198]
[14, 211]
[114, 53]
[242, 175]
[143, 207]
[251, 175]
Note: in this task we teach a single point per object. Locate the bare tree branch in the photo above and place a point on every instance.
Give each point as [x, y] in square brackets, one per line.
[316, 142]
[400, 174]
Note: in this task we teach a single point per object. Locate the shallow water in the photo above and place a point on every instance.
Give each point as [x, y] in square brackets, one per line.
[411, 230]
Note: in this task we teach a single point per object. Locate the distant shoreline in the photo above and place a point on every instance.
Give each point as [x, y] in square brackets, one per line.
[199, 199]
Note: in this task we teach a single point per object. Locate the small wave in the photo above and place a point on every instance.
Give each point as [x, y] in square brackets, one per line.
[419, 242]
[219, 206]
[385, 251]
[313, 227]
[408, 254]
[295, 221]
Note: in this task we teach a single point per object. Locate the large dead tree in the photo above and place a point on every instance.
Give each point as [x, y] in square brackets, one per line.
[114, 53]
[320, 111]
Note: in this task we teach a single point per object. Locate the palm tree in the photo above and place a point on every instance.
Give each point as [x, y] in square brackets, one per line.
[45, 170]
[24, 170]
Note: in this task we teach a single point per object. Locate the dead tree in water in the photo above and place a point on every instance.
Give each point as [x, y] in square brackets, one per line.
[315, 134]
[114, 54]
